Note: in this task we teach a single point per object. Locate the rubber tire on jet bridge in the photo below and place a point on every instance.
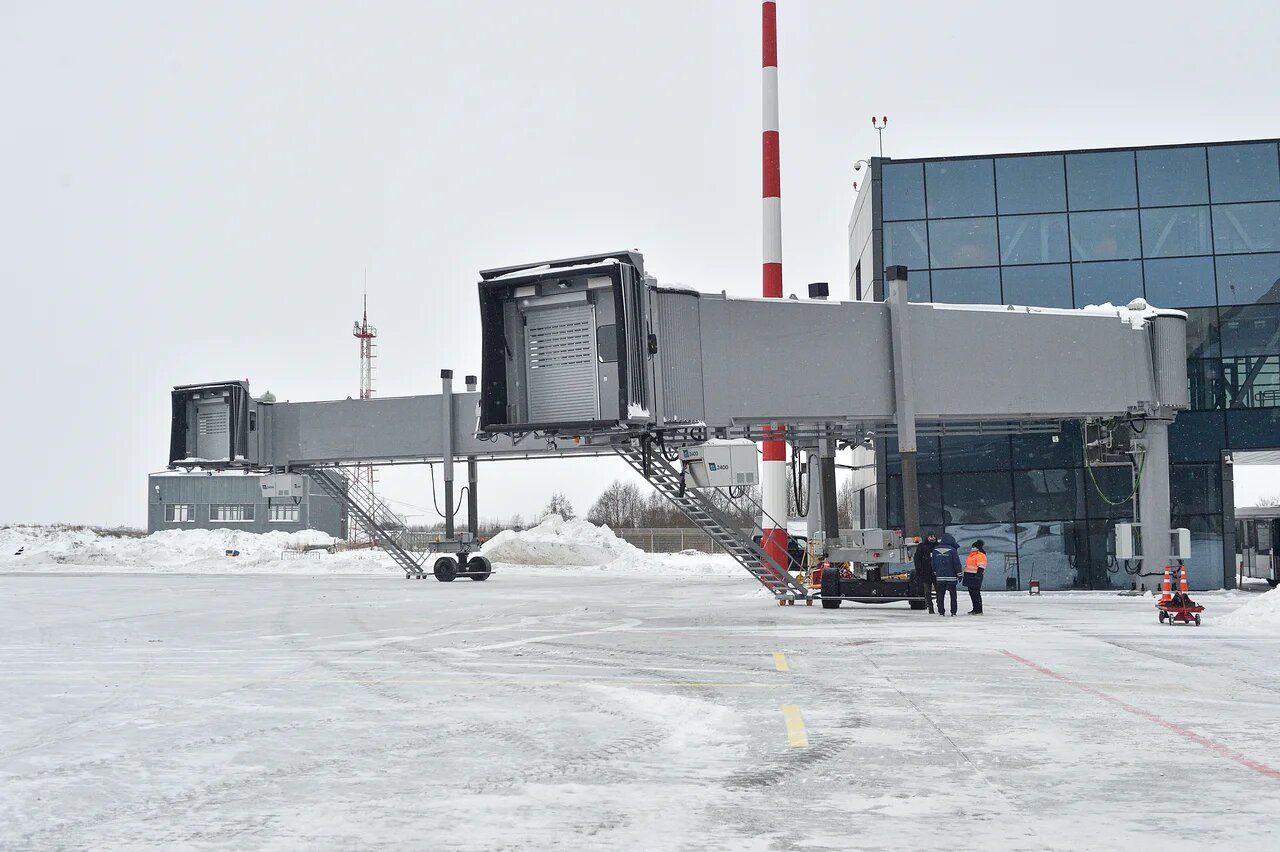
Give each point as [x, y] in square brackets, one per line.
[831, 588]
[446, 569]
[479, 568]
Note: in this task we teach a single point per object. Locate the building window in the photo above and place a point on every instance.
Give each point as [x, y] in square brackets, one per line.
[230, 512]
[284, 513]
[963, 242]
[1241, 228]
[902, 191]
[1047, 286]
[179, 513]
[1176, 232]
[1101, 181]
[967, 286]
[1180, 282]
[1030, 185]
[1247, 278]
[1105, 236]
[905, 244]
[1118, 282]
[1244, 172]
[1033, 239]
[960, 188]
[1168, 176]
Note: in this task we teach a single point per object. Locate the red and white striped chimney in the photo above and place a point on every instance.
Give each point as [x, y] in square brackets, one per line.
[773, 478]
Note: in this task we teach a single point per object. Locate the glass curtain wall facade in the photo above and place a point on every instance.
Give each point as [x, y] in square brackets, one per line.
[1194, 227]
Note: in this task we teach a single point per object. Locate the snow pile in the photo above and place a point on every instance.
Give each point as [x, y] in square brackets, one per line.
[1262, 613]
[580, 544]
[556, 541]
[31, 548]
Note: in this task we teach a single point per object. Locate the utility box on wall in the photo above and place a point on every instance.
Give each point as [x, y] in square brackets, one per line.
[283, 486]
[721, 464]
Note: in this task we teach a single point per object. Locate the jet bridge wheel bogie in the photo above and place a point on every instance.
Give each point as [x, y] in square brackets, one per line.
[479, 568]
[446, 569]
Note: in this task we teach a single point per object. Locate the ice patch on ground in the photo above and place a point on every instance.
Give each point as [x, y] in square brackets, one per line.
[1262, 613]
[578, 544]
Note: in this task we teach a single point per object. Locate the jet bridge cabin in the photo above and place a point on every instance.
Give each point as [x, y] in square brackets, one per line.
[574, 347]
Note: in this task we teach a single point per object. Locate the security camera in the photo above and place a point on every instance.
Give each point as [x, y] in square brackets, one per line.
[857, 167]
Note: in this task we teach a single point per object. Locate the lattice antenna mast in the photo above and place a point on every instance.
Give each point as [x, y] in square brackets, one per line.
[365, 475]
[366, 334]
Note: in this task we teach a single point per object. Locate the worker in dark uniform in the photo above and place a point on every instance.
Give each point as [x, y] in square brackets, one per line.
[945, 559]
[924, 567]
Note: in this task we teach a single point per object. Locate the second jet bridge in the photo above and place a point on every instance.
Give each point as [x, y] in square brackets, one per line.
[589, 345]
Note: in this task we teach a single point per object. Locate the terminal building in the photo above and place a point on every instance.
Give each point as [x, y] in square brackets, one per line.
[1193, 227]
[233, 500]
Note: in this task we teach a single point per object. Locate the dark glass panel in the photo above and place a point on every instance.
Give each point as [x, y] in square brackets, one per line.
[1257, 429]
[1176, 232]
[1054, 493]
[1101, 181]
[929, 488]
[1251, 381]
[1202, 333]
[1204, 568]
[963, 242]
[999, 541]
[1197, 436]
[1180, 282]
[967, 286]
[906, 244]
[1195, 489]
[960, 188]
[1239, 228]
[1206, 385]
[1105, 236]
[977, 498]
[1101, 570]
[1052, 552]
[926, 455]
[1172, 176]
[1247, 278]
[1118, 282]
[974, 452]
[1043, 286]
[1058, 450]
[1033, 239]
[902, 191]
[918, 286]
[1250, 330]
[1030, 184]
[1109, 491]
[1244, 172]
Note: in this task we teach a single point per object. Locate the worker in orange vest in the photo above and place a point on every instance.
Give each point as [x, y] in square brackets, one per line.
[974, 567]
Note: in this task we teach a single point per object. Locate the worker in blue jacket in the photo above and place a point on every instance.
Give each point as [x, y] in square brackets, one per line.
[947, 569]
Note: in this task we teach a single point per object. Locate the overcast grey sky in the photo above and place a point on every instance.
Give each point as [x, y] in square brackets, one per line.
[192, 191]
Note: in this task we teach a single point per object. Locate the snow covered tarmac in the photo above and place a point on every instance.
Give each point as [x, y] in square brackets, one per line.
[591, 710]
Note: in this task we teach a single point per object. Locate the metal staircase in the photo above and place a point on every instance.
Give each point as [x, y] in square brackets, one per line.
[368, 510]
[667, 479]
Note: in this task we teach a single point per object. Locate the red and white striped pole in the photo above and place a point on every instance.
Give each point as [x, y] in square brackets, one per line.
[773, 478]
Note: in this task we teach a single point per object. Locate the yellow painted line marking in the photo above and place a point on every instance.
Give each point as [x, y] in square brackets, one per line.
[780, 661]
[797, 737]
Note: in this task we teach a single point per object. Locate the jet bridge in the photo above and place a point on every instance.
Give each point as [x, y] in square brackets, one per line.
[589, 355]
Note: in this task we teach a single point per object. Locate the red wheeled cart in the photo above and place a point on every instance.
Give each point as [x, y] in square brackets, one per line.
[1172, 614]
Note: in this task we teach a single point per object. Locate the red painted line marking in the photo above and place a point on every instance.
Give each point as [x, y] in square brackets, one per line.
[1219, 748]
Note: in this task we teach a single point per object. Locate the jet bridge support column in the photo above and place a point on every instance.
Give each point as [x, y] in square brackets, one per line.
[904, 396]
[1154, 515]
[446, 381]
[473, 501]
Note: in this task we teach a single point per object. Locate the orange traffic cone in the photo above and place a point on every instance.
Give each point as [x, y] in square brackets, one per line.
[1166, 586]
[1182, 580]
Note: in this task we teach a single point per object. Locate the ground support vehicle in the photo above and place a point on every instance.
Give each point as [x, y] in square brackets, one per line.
[1171, 614]
[865, 566]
